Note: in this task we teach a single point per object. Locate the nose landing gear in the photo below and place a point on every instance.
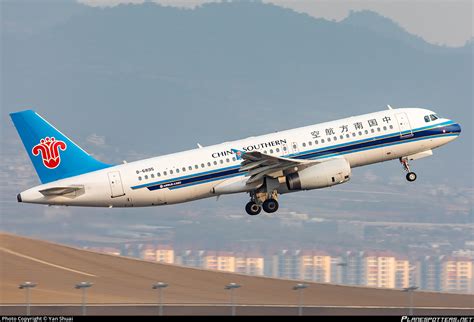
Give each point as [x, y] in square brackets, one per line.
[411, 176]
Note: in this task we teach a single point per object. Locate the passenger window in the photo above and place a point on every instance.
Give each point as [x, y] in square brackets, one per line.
[158, 174]
[360, 132]
[202, 165]
[196, 166]
[322, 141]
[372, 130]
[385, 128]
[304, 144]
[284, 148]
[329, 139]
[221, 161]
[184, 169]
[227, 160]
[278, 149]
[315, 141]
[171, 171]
[264, 151]
[233, 158]
[341, 136]
[353, 134]
[347, 135]
[177, 170]
[146, 177]
[271, 150]
[335, 138]
[209, 164]
[215, 162]
[190, 168]
[378, 129]
[164, 173]
[366, 132]
[309, 143]
[391, 126]
[152, 175]
[427, 118]
[139, 178]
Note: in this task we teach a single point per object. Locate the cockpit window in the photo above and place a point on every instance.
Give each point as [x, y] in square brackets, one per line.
[433, 117]
[427, 118]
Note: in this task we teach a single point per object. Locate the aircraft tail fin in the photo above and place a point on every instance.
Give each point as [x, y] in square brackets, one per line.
[53, 154]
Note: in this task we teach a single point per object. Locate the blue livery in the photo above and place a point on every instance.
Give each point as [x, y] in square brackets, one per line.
[53, 154]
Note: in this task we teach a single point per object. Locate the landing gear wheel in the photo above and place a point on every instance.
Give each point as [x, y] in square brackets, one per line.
[270, 205]
[411, 176]
[252, 208]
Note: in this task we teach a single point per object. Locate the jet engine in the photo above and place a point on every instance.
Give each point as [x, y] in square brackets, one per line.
[321, 175]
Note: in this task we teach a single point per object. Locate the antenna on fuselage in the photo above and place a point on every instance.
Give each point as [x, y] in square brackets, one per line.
[389, 107]
[199, 146]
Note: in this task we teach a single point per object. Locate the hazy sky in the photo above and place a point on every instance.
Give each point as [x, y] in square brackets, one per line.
[442, 22]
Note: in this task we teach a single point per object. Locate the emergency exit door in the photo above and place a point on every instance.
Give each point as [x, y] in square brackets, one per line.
[404, 125]
[116, 187]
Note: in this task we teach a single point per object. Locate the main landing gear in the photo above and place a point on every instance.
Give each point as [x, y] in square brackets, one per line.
[259, 200]
[411, 176]
[252, 208]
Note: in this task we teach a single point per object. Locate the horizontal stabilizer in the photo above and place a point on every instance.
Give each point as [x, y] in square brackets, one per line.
[59, 191]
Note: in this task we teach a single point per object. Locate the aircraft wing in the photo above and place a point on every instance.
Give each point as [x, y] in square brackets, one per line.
[260, 165]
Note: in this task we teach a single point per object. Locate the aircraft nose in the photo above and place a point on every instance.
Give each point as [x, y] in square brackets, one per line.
[455, 128]
[18, 197]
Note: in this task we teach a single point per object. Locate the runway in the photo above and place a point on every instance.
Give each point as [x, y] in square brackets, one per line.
[127, 281]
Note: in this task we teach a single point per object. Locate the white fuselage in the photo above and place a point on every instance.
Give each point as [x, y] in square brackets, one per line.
[191, 175]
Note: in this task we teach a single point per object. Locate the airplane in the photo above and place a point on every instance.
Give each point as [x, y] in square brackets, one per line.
[311, 157]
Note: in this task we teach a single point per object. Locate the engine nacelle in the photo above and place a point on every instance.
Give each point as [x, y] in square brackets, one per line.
[325, 174]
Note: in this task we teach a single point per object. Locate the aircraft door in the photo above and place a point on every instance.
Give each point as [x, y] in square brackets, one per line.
[294, 148]
[404, 125]
[115, 182]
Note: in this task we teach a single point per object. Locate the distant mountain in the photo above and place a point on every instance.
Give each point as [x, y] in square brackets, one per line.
[154, 80]
[385, 27]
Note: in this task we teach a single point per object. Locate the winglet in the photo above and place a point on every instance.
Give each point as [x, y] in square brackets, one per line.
[238, 153]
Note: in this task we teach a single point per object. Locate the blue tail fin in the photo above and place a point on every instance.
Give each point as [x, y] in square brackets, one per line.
[53, 154]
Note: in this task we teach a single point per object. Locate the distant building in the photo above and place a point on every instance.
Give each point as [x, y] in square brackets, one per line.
[222, 261]
[402, 273]
[268, 266]
[380, 268]
[286, 264]
[337, 270]
[430, 273]
[164, 254]
[457, 275]
[249, 263]
[353, 272]
[315, 266]
[148, 252]
[193, 258]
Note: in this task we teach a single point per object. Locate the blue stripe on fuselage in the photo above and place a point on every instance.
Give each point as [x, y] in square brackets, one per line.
[449, 129]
